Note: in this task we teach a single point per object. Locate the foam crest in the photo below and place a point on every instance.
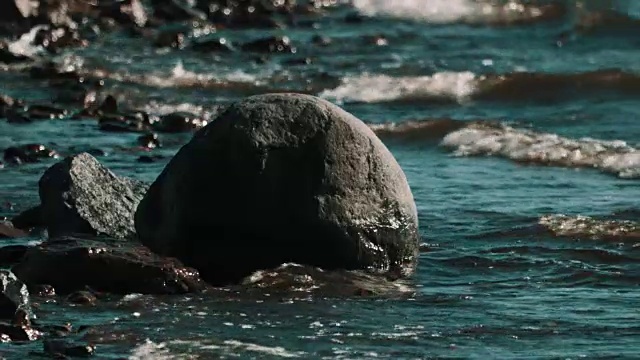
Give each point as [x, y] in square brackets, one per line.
[585, 226]
[24, 44]
[179, 77]
[367, 88]
[615, 157]
[436, 11]
[276, 351]
[151, 351]
[466, 11]
[157, 108]
[236, 348]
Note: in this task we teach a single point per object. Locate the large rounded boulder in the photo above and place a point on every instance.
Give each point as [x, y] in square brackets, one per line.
[281, 178]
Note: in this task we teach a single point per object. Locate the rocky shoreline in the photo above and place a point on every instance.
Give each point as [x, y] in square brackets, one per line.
[302, 197]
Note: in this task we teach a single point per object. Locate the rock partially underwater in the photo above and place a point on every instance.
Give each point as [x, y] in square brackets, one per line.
[282, 178]
[113, 266]
[81, 196]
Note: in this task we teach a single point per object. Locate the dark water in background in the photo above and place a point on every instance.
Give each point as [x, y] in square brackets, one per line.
[490, 284]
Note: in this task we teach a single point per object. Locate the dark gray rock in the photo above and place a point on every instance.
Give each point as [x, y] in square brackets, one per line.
[28, 219]
[282, 178]
[80, 196]
[14, 295]
[70, 264]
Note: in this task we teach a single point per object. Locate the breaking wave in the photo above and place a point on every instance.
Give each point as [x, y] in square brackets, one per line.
[465, 11]
[179, 77]
[585, 226]
[383, 88]
[526, 146]
[464, 86]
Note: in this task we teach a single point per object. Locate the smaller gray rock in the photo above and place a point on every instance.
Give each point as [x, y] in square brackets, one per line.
[81, 196]
[14, 295]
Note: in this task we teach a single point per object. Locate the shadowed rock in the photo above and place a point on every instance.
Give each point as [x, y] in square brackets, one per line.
[28, 219]
[80, 196]
[70, 264]
[12, 254]
[282, 178]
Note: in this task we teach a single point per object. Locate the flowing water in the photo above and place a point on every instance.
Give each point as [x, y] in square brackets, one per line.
[517, 127]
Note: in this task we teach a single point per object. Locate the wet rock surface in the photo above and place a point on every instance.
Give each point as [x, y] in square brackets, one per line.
[70, 264]
[14, 295]
[28, 219]
[7, 230]
[29, 153]
[80, 196]
[179, 122]
[315, 187]
[62, 349]
[304, 281]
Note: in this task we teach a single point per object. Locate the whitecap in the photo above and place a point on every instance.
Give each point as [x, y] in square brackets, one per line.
[151, 351]
[267, 350]
[367, 88]
[565, 225]
[436, 11]
[448, 11]
[24, 44]
[615, 157]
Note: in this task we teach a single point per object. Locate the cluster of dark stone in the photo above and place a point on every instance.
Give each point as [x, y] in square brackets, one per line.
[167, 23]
[274, 179]
[110, 118]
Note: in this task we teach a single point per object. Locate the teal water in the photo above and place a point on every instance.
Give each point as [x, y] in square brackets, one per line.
[490, 283]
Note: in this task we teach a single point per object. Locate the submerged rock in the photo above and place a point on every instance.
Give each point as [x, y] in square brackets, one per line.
[82, 298]
[179, 122]
[71, 264]
[43, 112]
[213, 45]
[149, 141]
[14, 296]
[29, 153]
[80, 196]
[7, 230]
[28, 219]
[282, 178]
[173, 38]
[292, 280]
[20, 333]
[274, 44]
[62, 349]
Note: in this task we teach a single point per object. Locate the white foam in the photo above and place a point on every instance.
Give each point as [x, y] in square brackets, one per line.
[447, 11]
[151, 351]
[156, 108]
[380, 88]
[179, 76]
[272, 351]
[437, 11]
[615, 157]
[563, 225]
[24, 44]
